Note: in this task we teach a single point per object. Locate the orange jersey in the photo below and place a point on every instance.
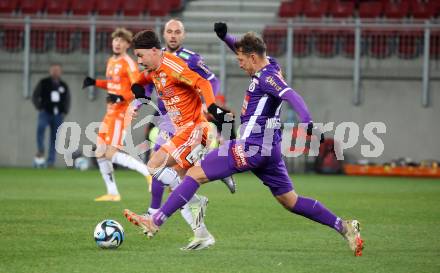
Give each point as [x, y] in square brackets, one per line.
[121, 73]
[179, 88]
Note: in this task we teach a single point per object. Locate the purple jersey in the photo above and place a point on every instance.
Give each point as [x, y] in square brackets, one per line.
[260, 115]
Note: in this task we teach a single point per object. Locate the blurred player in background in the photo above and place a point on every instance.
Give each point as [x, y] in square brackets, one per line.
[179, 88]
[261, 109]
[121, 73]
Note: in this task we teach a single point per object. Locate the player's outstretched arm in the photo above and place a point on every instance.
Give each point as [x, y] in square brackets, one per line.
[221, 29]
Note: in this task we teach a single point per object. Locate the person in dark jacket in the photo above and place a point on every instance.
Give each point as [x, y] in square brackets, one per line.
[51, 98]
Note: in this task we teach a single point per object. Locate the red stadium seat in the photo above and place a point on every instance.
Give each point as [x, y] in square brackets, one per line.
[175, 5]
[316, 8]
[326, 42]
[380, 43]
[134, 7]
[291, 8]
[104, 39]
[370, 9]
[301, 42]
[85, 39]
[423, 9]
[347, 42]
[434, 45]
[83, 7]
[108, 8]
[158, 7]
[57, 7]
[13, 38]
[275, 39]
[64, 39]
[40, 39]
[409, 44]
[342, 9]
[8, 6]
[396, 9]
[31, 6]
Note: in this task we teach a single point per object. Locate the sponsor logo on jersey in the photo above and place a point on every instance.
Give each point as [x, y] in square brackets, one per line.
[239, 156]
[245, 104]
[272, 83]
[202, 65]
[184, 55]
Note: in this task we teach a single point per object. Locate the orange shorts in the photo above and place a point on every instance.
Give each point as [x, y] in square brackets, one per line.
[112, 129]
[188, 145]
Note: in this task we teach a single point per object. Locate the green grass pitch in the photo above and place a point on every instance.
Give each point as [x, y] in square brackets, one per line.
[48, 216]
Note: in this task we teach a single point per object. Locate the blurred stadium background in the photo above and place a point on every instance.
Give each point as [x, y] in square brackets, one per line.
[358, 61]
[355, 61]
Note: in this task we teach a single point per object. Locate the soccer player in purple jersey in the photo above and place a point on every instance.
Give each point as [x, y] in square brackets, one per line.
[257, 152]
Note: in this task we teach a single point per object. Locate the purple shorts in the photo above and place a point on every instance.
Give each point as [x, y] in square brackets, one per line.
[236, 156]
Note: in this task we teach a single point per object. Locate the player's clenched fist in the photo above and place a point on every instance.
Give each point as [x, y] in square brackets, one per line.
[221, 29]
[88, 82]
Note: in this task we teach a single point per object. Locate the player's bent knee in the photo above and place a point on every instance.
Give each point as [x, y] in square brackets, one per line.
[287, 200]
[197, 173]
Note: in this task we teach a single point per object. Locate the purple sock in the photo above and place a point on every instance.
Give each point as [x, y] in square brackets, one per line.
[315, 211]
[179, 197]
[157, 189]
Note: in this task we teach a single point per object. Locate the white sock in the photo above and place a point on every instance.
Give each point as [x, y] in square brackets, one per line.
[129, 162]
[199, 231]
[106, 169]
[152, 211]
[168, 176]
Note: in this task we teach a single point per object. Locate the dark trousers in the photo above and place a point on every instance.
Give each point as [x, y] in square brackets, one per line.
[54, 121]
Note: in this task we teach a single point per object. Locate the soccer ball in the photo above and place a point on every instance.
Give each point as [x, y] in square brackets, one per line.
[109, 234]
[82, 163]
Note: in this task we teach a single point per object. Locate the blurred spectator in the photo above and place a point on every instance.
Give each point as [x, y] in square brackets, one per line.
[51, 98]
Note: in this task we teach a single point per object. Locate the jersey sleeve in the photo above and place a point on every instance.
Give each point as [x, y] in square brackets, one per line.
[197, 82]
[143, 78]
[277, 87]
[101, 84]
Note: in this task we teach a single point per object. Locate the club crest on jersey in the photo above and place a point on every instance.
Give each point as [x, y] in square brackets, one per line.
[251, 87]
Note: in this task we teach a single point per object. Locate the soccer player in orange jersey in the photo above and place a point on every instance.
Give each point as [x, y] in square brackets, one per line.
[179, 88]
[121, 73]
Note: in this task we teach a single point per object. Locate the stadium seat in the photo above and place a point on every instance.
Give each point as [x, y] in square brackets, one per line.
[158, 7]
[12, 37]
[84, 33]
[31, 6]
[83, 7]
[104, 39]
[275, 39]
[175, 5]
[434, 45]
[341, 9]
[64, 39]
[420, 9]
[409, 44]
[380, 43]
[325, 43]
[134, 7]
[108, 8]
[316, 8]
[347, 42]
[40, 37]
[8, 6]
[396, 9]
[302, 42]
[291, 8]
[370, 9]
[57, 7]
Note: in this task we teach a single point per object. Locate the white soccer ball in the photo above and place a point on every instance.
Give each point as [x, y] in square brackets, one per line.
[108, 234]
[82, 163]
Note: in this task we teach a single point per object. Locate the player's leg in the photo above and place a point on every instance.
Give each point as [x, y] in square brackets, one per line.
[43, 122]
[105, 165]
[275, 176]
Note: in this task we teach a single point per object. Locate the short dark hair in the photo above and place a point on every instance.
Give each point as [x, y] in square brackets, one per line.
[146, 39]
[251, 43]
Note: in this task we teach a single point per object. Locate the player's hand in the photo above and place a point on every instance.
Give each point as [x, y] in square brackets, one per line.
[221, 29]
[112, 98]
[310, 130]
[220, 113]
[138, 91]
[88, 82]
